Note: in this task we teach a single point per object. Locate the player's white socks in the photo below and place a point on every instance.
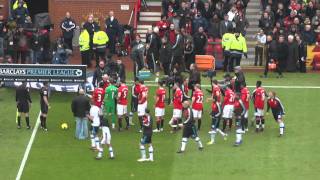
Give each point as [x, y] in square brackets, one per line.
[222, 133]
[184, 144]
[238, 135]
[151, 153]
[199, 142]
[97, 142]
[213, 135]
[281, 126]
[111, 152]
[93, 142]
[100, 153]
[143, 152]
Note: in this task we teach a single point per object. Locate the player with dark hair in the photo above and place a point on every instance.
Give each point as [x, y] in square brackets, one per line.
[160, 106]
[146, 137]
[98, 95]
[258, 96]
[106, 139]
[216, 90]
[245, 97]
[277, 110]
[228, 107]
[135, 89]
[177, 107]
[122, 105]
[197, 104]
[189, 129]
[142, 102]
[23, 101]
[44, 104]
[239, 112]
[216, 112]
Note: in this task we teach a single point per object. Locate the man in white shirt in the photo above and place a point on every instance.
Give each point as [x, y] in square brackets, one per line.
[261, 39]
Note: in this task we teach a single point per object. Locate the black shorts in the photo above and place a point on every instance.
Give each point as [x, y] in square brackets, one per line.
[44, 109]
[277, 115]
[23, 107]
[94, 130]
[215, 122]
[146, 139]
[190, 132]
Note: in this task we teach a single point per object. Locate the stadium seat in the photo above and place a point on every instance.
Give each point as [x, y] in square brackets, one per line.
[316, 62]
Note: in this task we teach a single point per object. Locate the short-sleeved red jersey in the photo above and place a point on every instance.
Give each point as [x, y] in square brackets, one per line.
[143, 94]
[245, 97]
[177, 99]
[161, 95]
[228, 97]
[198, 100]
[98, 96]
[123, 94]
[216, 92]
[259, 96]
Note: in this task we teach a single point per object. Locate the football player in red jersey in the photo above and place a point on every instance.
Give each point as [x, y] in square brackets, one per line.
[239, 112]
[142, 102]
[228, 107]
[122, 104]
[160, 106]
[277, 110]
[216, 90]
[245, 97]
[258, 96]
[197, 104]
[177, 107]
[98, 95]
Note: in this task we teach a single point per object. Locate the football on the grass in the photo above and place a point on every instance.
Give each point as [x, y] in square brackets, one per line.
[64, 126]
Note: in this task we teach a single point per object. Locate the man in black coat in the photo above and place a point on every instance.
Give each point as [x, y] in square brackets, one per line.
[293, 55]
[200, 41]
[271, 54]
[302, 51]
[239, 79]
[98, 73]
[165, 55]
[137, 54]
[68, 26]
[225, 25]
[91, 26]
[178, 51]
[112, 30]
[282, 54]
[153, 47]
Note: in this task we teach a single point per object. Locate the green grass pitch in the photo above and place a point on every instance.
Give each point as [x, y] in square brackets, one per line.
[57, 155]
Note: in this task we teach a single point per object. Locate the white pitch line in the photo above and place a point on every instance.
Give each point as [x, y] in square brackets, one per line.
[26, 153]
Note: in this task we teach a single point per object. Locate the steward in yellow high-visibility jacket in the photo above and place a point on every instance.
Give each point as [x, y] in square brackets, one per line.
[16, 4]
[84, 43]
[226, 40]
[237, 48]
[100, 40]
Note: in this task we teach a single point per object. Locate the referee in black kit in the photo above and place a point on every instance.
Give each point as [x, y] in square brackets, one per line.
[44, 105]
[23, 101]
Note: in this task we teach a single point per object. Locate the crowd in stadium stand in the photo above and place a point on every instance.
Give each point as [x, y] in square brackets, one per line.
[186, 27]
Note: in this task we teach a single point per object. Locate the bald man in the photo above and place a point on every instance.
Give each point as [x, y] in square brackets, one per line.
[68, 26]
